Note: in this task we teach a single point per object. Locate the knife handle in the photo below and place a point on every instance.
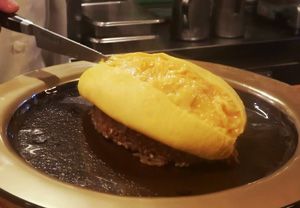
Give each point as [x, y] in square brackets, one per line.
[15, 23]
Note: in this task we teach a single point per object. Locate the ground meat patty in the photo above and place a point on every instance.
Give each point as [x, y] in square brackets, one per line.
[148, 151]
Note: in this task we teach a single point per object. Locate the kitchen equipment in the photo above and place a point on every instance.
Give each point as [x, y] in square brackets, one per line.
[281, 11]
[230, 21]
[255, 51]
[191, 19]
[49, 40]
[119, 19]
[111, 24]
[269, 103]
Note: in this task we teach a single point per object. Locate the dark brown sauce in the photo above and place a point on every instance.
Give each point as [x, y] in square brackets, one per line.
[53, 133]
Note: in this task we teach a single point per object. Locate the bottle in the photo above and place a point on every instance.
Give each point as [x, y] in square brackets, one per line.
[230, 20]
[191, 19]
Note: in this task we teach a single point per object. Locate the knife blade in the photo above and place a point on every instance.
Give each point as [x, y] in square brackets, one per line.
[50, 40]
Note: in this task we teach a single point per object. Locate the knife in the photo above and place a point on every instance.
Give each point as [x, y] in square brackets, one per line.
[49, 40]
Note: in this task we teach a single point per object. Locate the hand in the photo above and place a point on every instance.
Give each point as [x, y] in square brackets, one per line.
[8, 6]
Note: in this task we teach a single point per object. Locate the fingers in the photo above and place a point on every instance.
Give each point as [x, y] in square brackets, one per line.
[8, 6]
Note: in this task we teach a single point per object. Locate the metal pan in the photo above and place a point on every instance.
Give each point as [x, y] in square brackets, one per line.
[276, 188]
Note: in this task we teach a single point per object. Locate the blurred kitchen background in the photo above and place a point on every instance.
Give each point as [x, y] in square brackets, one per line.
[257, 35]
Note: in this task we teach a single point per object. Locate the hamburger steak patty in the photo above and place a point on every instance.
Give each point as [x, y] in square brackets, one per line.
[148, 151]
